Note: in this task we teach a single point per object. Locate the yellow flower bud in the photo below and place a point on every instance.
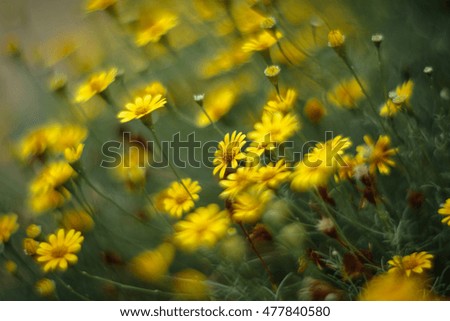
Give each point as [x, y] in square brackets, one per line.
[33, 231]
[335, 39]
[45, 287]
[30, 246]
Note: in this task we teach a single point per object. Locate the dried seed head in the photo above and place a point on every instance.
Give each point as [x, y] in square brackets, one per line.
[377, 39]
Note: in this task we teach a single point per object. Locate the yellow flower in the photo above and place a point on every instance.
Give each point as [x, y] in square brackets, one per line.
[77, 220]
[11, 266]
[202, 228]
[154, 26]
[413, 263]
[335, 38]
[396, 287]
[45, 287]
[346, 94]
[445, 211]
[95, 84]
[274, 128]
[401, 96]
[217, 103]
[347, 172]
[263, 41]
[319, 165]
[273, 174]
[249, 205]
[33, 230]
[272, 71]
[154, 88]
[8, 226]
[73, 154]
[30, 246]
[176, 200]
[238, 181]
[229, 152]
[141, 107]
[52, 176]
[48, 199]
[59, 251]
[377, 155]
[190, 284]
[132, 169]
[96, 5]
[152, 265]
[224, 60]
[34, 144]
[314, 110]
[284, 104]
[63, 136]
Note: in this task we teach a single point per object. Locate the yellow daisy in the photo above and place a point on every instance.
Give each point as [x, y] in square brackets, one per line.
[229, 152]
[283, 104]
[176, 200]
[154, 26]
[249, 205]
[416, 262]
[346, 94]
[141, 107]
[273, 174]
[238, 181]
[96, 5]
[202, 228]
[60, 250]
[152, 265]
[377, 155]
[263, 41]
[8, 225]
[445, 211]
[95, 84]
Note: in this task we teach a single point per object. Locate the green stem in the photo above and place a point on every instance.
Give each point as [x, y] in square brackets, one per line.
[210, 120]
[122, 285]
[68, 287]
[158, 143]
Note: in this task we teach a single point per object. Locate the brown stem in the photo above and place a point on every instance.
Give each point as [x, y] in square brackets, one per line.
[263, 263]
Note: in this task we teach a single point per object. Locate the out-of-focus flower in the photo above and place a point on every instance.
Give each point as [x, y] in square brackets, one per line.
[283, 104]
[73, 154]
[396, 287]
[263, 41]
[154, 25]
[319, 165]
[229, 152]
[11, 266]
[95, 84]
[132, 170]
[176, 200]
[59, 251]
[346, 94]
[33, 231]
[97, 5]
[152, 265]
[416, 263]
[78, 220]
[314, 110]
[45, 287]
[190, 284]
[8, 226]
[377, 155]
[273, 174]
[141, 107]
[216, 104]
[30, 246]
[401, 96]
[335, 39]
[202, 228]
[274, 128]
[249, 205]
[238, 181]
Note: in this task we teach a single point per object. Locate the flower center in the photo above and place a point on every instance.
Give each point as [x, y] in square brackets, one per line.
[141, 110]
[59, 251]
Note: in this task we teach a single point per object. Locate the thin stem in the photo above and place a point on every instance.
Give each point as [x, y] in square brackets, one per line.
[213, 123]
[158, 143]
[122, 285]
[109, 199]
[263, 262]
[380, 66]
[68, 287]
